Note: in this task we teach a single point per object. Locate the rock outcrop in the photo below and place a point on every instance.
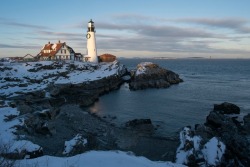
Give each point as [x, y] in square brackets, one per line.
[229, 129]
[150, 75]
[142, 126]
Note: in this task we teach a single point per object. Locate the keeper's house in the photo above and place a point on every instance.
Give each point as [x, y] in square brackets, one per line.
[58, 51]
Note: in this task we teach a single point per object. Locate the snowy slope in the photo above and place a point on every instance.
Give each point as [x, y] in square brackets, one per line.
[33, 76]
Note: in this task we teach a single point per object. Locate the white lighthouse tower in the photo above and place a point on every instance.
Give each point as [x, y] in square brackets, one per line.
[91, 44]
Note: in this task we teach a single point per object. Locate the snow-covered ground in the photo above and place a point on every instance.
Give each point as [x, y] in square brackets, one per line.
[33, 76]
[95, 159]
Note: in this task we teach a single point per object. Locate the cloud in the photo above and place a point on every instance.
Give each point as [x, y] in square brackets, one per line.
[159, 30]
[129, 32]
[19, 46]
[10, 22]
[53, 33]
[237, 24]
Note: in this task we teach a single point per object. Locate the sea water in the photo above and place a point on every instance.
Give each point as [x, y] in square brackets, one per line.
[206, 82]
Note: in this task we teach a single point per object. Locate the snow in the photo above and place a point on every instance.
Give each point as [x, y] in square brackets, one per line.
[54, 46]
[69, 145]
[22, 74]
[96, 159]
[181, 154]
[141, 68]
[8, 140]
[213, 151]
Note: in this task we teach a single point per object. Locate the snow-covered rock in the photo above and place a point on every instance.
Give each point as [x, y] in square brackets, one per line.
[77, 141]
[192, 152]
[150, 75]
[9, 145]
[213, 151]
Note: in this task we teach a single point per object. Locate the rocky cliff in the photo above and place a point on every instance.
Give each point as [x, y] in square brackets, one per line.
[32, 94]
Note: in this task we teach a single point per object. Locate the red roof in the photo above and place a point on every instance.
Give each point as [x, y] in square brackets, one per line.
[52, 50]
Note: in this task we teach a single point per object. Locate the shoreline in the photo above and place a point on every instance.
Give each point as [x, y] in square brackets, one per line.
[102, 135]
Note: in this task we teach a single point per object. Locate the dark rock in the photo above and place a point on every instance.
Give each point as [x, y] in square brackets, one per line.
[247, 123]
[37, 94]
[23, 85]
[55, 102]
[137, 122]
[192, 161]
[16, 155]
[9, 117]
[150, 75]
[35, 153]
[235, 136]
[188, 145]
[34, 124]
[12, 104]
[88, 101]
[215, 120]
[24, 109]
[54, 91]
[143, 126]
[227, 108]
[54, 112]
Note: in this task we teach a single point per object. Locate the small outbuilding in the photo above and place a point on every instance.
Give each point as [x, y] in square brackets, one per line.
[29, 57]
[107, 58]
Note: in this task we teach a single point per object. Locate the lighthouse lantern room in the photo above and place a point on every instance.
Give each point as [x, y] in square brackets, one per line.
[91, 43]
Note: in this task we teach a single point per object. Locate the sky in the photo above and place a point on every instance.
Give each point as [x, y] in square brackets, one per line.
[141, 28]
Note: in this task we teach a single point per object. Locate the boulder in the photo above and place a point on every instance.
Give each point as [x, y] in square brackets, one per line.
[150, 75]
[136, 122]
[227, 108]
[140, 125]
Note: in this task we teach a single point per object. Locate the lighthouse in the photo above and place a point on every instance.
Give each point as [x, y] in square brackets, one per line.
[91, 44]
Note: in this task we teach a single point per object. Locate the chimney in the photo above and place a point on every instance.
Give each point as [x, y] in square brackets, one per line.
[59, 41]
[49, 42]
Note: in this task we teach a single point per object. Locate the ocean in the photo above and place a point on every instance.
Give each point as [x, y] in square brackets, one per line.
[206, 82]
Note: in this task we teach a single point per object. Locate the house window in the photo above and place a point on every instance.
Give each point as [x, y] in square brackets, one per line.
[61, 51]
[65, 51]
